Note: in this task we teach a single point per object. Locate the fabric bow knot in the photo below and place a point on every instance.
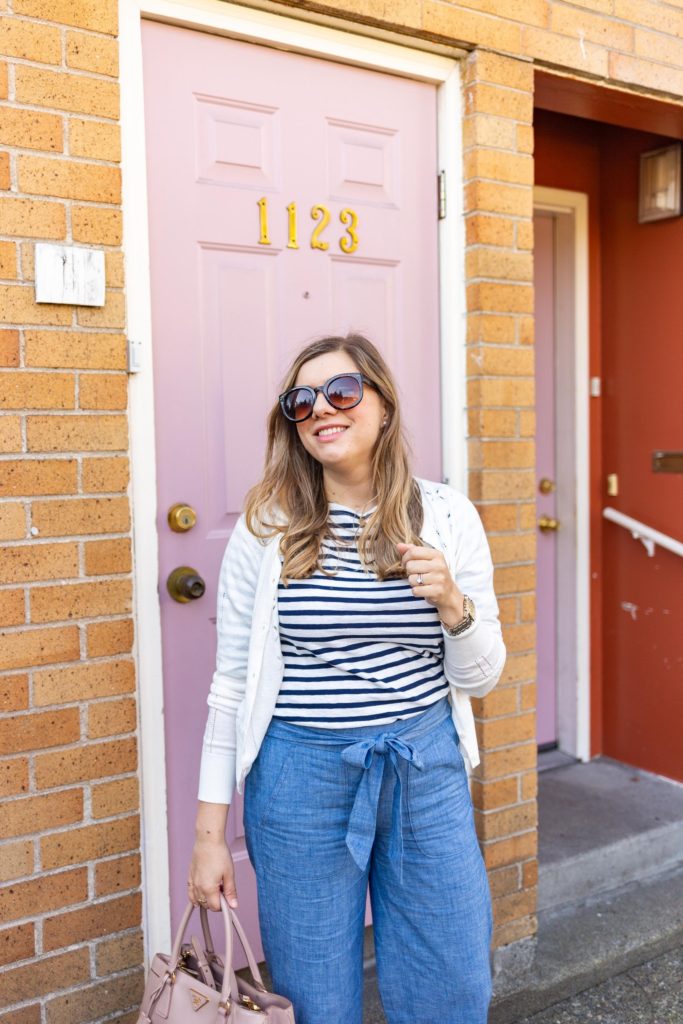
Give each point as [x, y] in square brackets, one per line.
[370, 755]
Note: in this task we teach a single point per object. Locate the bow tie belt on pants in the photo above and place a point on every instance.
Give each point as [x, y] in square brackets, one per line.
[370, 755]
[369, 750]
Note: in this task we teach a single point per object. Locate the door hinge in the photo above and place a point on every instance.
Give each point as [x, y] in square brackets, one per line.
[441, 184]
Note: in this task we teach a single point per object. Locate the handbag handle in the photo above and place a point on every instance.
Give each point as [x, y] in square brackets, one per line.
[251, 959]
[229, 986]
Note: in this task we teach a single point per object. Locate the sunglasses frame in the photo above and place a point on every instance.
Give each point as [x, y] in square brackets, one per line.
[324, 390]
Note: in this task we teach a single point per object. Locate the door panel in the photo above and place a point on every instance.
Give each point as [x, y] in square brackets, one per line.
[232, 124]
[643, 413]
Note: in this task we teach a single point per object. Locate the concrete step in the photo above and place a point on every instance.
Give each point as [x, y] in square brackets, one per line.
[579, 947]
[603, 825]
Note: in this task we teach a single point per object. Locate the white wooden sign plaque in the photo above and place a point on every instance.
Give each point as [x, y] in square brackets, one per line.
[69, 274]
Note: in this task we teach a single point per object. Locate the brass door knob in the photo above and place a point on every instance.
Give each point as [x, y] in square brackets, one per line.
[185, 584]
[546, 485]
[181, 517]
[547, 524]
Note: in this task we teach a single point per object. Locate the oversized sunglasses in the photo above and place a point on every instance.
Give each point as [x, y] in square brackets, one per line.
[342, 392]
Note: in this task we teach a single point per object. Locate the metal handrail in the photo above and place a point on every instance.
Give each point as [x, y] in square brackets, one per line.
[645, 534]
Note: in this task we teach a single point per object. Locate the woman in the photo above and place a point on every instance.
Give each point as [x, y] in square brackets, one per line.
[356, 618]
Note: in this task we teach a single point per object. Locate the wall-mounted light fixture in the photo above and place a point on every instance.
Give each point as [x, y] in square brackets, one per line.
[660, 184]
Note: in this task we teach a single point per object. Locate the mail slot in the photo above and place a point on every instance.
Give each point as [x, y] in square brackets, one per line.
[667, 462]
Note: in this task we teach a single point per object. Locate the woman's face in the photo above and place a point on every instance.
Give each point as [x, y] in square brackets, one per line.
[339, 440]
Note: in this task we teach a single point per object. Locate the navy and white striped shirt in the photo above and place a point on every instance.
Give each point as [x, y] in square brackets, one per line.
[357, 650]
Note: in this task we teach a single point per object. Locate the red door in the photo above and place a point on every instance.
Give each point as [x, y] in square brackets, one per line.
[289, 197]
[642, 309]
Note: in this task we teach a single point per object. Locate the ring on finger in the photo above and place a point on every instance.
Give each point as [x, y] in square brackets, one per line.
[202, 901]
[420, 579]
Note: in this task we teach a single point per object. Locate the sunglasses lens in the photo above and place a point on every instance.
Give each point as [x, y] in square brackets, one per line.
[344, 392]
[298, 403]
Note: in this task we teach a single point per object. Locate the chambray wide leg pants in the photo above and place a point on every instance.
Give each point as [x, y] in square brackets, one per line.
[328, 811]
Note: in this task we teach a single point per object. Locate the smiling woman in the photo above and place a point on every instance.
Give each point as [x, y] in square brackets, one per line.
[353, 455]
[356, 617]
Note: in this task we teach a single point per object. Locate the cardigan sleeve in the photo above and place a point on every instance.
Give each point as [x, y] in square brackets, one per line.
[473, 661]
[236, 593]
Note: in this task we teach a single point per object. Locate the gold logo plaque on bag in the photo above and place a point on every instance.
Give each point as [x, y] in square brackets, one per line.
[198, 1000]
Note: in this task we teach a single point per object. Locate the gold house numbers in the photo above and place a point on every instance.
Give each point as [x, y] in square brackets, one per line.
[348, 242]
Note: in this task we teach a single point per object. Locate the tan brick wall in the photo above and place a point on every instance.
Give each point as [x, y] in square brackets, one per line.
[70, 946]
[631, 43]
[498, 173]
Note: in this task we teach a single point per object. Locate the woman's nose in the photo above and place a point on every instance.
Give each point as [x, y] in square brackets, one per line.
[321, 407]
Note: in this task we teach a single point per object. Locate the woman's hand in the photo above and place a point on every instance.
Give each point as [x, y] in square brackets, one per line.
[438, 586]
[211, 868]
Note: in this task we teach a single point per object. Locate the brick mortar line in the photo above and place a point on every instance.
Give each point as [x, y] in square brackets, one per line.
[63, 69]
[56, 581]
[91, 204]
[56, 790]
[64, 830]
[512, 282]
[59, 993]
[77, 702]
[25, 669]
[63, 27]
[508, 835]
[37, 627]
[65, 412]
[66, 26]
[62, 455]
[40, 197]
[28, 542]
[71, 537]
[472, 114]
[63, 155]
[516, 803]
[63, 911]
[476, 82]
[80, 329]
[77, 745]
[518, 187]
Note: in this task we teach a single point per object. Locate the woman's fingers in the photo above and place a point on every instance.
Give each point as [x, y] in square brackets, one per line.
[230, 892]
[212, 869]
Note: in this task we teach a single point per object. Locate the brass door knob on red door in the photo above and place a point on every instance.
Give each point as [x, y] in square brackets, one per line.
[185, 584]
[547, 524]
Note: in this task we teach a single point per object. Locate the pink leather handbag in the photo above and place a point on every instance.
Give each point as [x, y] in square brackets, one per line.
[192, 986]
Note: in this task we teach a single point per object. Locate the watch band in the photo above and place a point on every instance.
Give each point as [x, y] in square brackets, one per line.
[465, 622]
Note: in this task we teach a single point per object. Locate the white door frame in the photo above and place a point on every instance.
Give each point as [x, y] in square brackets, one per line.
[305, 37]
[574, 694]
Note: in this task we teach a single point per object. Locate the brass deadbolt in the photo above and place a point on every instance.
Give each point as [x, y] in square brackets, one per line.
[181, 517]
[185, 584]
[546, 486]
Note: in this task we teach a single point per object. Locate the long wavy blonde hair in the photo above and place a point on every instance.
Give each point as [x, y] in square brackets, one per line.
[290, 498]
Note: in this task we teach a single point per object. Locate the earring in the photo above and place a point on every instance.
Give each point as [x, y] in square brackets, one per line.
[384, 423]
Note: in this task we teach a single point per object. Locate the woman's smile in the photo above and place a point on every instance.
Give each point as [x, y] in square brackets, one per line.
[327, 434]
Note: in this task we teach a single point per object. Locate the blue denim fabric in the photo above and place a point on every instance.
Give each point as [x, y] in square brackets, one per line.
[327, 811]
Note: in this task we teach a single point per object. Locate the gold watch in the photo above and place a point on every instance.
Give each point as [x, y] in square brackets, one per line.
[465, 622]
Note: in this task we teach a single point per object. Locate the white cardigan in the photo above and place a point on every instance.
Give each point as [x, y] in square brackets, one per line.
[249, 662]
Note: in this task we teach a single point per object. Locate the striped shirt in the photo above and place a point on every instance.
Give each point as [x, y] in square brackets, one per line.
[356, 650]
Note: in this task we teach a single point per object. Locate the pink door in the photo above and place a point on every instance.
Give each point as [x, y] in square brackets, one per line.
[544, 290]
[289, 197]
